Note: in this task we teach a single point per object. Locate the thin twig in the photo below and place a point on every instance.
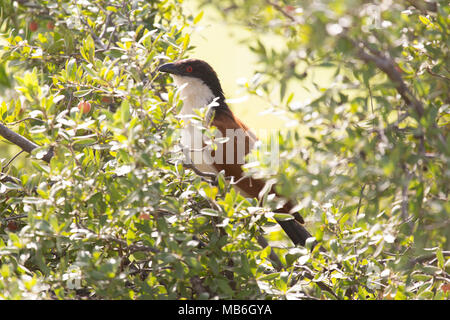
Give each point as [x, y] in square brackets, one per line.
[426, 258]
[19, 216]
[209, 175]
[106, 25]
[308, 274]
[277, 7]
[405, 200]
[360, 199]
[371, 104]
[438, 225]
[434, 74]
[24, 119]
[130, 248]
[12, 159]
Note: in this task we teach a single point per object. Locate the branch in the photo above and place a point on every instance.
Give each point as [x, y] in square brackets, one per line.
[108, 22]
[24, 119]
[427, 258]
[437, 75]
[106, 25]
[309, 274]
[25, 144]
[388, 66]
[134, 247]
[6, 178]
[16, 217]
[12, 159]
[361, 194]
[423, 6]
[281, 10]
[440, 224]
[202, 174]
[405, 201]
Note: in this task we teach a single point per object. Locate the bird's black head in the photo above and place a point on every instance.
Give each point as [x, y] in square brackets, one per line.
[195, 68]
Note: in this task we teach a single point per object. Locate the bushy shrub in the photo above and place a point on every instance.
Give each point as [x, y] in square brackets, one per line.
[105, 209]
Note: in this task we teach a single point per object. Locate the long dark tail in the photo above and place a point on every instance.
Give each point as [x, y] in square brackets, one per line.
[295, 231]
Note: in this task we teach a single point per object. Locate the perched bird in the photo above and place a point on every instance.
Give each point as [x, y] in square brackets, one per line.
[199, 87]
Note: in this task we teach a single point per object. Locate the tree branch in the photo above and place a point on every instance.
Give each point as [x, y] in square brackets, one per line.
[426, 258]
[25, 144]
[370, 55]
[277, 7]
[388, 66]
[423, 6]
[15, 217]
[211, 177]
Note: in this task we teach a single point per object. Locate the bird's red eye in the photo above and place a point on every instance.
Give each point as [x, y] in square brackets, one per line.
[189, 69]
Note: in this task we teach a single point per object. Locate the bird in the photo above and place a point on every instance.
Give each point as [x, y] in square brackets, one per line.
[199, 86]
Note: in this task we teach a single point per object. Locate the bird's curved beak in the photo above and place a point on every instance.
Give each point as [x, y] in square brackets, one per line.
[169, 68]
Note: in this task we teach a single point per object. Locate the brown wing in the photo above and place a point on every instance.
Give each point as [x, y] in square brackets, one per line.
[223, 120]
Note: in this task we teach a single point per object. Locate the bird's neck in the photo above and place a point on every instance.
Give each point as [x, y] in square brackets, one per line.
[196, 94]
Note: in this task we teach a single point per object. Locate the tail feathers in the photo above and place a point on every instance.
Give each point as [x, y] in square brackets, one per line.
[295, 231]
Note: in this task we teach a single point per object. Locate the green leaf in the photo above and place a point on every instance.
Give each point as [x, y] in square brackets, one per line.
[86, 139]
[209, 212]
[271, 276]
[125, 111]
[82, 93]
[88, 49]
[440, 258]
[198, 17]
[4, 79]
[71, 68]
[424, 20]
[283, 216]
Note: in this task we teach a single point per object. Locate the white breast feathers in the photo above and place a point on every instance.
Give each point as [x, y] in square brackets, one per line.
[195, 95]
